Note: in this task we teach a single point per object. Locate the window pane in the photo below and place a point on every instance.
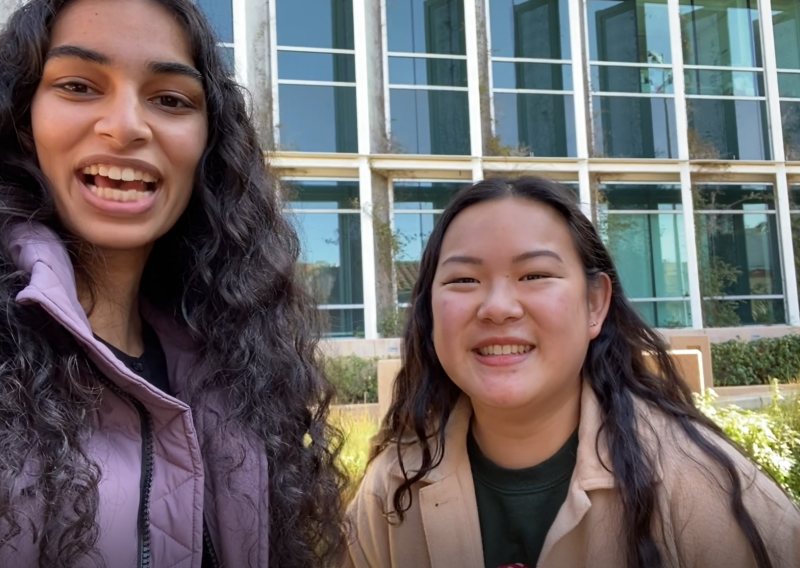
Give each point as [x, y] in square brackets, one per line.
[632, 31]
[631, 80]
[430, 122]
[424, 195]
[320, 194]
[790, 115]
[342, 323]
[537, 29]
[412, 232]
[721, 32]
[418, 71]
[220, 14]
[315, 23]
[535, 125]
[728, 130]
[425, 26]
[750, 197]
[739, 256]
[649, 252]
[631, 197]
[318, 119]
[552, 77]
[316, 66]
[632, 127]
[723, 82]
[665, 314]
[786, 27]
[789, 85]
[330, 262]
[228, 57]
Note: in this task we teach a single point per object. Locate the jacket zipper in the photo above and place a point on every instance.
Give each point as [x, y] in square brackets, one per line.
[146, 484]
[209, 548]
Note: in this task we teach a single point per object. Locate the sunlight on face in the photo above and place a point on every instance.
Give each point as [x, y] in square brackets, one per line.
[119, 121]
[511, 310]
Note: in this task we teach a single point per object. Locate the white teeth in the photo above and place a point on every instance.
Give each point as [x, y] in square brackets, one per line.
[504, 349]
[119, 173]
[118, 194]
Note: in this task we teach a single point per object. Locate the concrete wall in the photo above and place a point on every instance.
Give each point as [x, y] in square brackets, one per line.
[6, 7]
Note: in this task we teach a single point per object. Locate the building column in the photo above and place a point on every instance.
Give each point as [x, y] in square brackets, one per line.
[576, 44]
[473, 80]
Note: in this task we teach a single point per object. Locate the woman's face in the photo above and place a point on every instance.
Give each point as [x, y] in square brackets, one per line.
[512, 315]
[119, 121]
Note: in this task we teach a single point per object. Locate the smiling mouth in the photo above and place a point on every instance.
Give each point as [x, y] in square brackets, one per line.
[493, 350]
[114, 183]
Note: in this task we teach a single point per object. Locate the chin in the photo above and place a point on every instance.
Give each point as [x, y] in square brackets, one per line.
[119, 239]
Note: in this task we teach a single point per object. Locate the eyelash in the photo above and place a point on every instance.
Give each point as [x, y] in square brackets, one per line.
[71, 86]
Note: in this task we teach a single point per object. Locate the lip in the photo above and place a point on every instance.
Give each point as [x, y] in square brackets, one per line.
[117, 208]
[508, 340]
[108, 160]
[502, 360]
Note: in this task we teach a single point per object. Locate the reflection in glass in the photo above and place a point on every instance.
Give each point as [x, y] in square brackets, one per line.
[318, 118]
[228, 57]
[417, 71]
[320, 194]
[724, 82]
[739, 256]
[789, 85]
[430, 122]
[330, 263]
[734, 197]
[220, 14]
[536, 125]
[342, 323]
[547, 76]
[728, 129]
[632, 79]
[424, 26]
[665, 314]
[330, 27]
[790, 115]
[412, 232]
[635, 197]
[723, 33]
[535, 29]
[339, 67]
[631, 31]
[424, 195]
[786, 29]
[632, 127]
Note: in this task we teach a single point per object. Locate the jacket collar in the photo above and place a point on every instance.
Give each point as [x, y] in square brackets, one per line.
[593, 467]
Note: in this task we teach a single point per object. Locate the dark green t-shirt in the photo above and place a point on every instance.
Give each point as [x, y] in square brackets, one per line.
[516, 507]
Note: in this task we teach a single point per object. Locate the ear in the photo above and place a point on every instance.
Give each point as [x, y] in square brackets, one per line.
[599, 301]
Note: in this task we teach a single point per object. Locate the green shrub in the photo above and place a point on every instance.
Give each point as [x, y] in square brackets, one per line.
[756, 362]
[770, 436]
[355, 379]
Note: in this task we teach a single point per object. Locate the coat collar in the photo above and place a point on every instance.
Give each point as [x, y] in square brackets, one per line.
[593, 467]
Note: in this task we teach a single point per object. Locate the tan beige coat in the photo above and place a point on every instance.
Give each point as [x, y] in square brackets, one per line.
[441, 529]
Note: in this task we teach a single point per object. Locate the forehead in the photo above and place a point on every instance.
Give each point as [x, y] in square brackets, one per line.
[126, 31]
[511, 225]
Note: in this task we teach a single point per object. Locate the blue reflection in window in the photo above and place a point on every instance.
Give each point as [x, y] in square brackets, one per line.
[536, 124]
[220, 14]
[551, 77]
[318, 118]
[530, 28]
[430, 122]
[418, 71]
[632, 31]
[315, 23]
[297, 65]
[425, 26]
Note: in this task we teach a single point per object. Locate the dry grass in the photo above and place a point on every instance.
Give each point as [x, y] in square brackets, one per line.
[358, 429]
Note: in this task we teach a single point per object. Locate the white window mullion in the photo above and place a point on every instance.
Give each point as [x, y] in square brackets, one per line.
[576, 32]
[273, 72]
[682, 131]
[778, 154]
[364, 170]
[473, 81]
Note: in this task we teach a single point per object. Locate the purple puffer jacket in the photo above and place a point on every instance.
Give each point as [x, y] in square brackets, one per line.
[156, 486]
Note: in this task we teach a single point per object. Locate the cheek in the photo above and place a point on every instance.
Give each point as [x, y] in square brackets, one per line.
[559, 312]
[450, 318]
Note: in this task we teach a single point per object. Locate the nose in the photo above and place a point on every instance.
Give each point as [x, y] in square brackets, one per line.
[501, 303]
[123, 123]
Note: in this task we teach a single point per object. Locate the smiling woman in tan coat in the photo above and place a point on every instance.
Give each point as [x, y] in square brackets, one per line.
[526, 428]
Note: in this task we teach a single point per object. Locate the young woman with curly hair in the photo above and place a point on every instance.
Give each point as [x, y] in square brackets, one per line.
[160, 400]
[529, 428]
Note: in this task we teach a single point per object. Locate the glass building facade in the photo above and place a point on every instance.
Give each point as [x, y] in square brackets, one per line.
[676, 123]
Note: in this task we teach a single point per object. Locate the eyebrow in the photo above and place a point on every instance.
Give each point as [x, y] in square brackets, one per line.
[155, 67]
[463, 259]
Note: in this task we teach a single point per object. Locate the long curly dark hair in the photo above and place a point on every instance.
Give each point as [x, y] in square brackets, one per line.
[424, 396]
[226, 271]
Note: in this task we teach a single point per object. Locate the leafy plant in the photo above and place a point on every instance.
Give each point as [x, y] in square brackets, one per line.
[357, 429]
[355, 379]
[756, 362]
